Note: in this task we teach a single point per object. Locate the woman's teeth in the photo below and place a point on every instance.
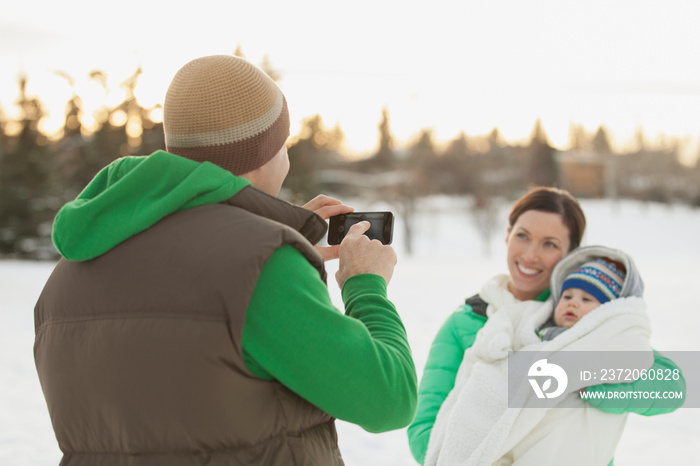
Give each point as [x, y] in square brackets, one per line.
[526, 270]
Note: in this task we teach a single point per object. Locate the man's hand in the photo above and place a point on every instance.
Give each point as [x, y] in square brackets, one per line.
[359, 254]
[327, 207]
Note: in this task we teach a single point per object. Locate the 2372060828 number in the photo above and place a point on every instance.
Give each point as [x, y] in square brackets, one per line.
[629, 375]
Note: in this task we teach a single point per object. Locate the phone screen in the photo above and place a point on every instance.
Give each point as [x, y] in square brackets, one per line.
[381, 226]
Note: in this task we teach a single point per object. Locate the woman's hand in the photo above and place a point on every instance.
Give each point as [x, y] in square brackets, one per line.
[326, 207]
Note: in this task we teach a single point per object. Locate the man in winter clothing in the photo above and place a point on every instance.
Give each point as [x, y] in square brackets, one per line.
[189, 321]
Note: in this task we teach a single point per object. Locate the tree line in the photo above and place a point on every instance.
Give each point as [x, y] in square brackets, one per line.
[38, 175]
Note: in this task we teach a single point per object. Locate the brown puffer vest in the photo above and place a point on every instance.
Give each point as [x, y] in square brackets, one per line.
[139, 350]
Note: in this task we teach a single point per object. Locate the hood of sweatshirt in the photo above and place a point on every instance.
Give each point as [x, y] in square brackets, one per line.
[632, 286]
[132, 194]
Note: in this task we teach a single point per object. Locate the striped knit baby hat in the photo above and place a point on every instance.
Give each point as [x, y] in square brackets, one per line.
[225, 110]
[601, 278]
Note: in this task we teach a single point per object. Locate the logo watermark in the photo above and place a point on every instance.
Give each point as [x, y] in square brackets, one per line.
[632, 395]
[615, 380]
[542, 368]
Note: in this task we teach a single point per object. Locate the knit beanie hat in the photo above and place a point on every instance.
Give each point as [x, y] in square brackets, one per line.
[602, 278]
[225, 110]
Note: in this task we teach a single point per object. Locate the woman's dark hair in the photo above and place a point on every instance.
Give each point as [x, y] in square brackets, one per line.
[556, 201]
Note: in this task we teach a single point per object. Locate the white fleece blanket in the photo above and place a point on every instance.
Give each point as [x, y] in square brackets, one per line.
[475, 426]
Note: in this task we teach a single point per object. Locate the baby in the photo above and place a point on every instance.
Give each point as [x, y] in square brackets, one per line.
[586, 288]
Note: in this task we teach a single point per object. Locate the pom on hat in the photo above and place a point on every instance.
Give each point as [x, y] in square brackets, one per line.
[601, 278]
[223, 109]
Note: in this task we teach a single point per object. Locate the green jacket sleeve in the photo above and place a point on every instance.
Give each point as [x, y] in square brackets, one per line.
[356, 367]
[446, 354]
[672, 381]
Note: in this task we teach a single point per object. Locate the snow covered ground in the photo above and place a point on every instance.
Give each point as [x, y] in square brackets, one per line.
[448, 265]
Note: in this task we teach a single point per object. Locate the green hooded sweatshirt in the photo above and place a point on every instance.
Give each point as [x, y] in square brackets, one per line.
[132, 194]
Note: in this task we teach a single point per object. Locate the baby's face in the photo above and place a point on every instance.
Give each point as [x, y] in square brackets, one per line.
[573, 305]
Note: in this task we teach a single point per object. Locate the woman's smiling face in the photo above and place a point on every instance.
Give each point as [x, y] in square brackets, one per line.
[536, 242]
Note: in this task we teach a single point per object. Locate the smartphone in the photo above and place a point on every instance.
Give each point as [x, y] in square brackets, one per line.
[382, 226]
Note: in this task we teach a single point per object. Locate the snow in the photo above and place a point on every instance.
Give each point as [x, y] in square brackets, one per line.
[448, 265]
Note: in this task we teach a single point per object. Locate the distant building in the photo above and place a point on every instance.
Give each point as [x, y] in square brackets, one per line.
[585, 174]
[654, 176]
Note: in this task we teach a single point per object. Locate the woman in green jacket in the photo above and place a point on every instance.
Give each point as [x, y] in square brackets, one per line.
[544, 225]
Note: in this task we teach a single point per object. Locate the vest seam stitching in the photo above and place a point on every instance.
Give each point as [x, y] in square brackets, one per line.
[78, 319]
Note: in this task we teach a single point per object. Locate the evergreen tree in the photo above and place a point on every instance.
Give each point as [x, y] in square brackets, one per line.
[640, 139]
[455, 170]
[578, 139]
[271, 71]
[82, 157]
[25, 196]
[421, 153]
[315, 149]
[601, 141]
[384, 159]
[495, 140]
[70, 152]
[384, 156]
[542, 170]
[153, 138]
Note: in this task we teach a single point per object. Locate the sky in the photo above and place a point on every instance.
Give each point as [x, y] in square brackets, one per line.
[449, 66]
